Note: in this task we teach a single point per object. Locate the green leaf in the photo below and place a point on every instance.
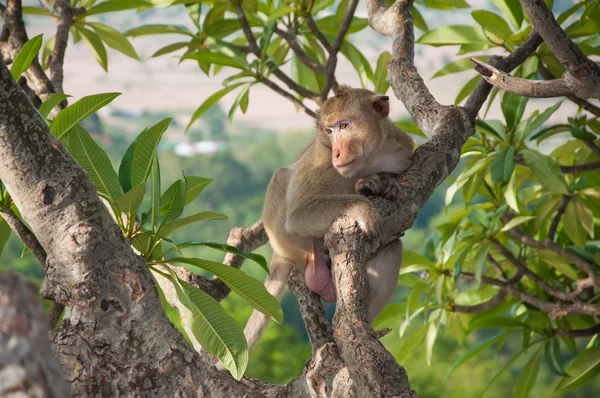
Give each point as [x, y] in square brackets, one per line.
[36, 11]
[552, 357]
[380, 77]
[574, 225]
[583, 369]
[131, 201]
[158, 29]
[512, 10]
[516, 221]
[547, 171]
[195, 186]
[454, 34]
[144, 151]
[125, 166]
[585, 216]
[210, 101]
[497, 168]
[429, 341]
[77, 112]
[4, 233]
[95, 44]
[279, 12]
[213, 58]
[509, 163]
[249, 288]
[419, 20]
[25, 57]
[212, 327]
[478, 216]
[47, 51]
[95, 162]
[513, 107]
[479, 263]
[460, 65]
[541, 119]
[154, 193]
[50, 103]
[496, 322]
[114, 39]
[257, 258]
[510, 195]
[492, 23]
[265, 37]
[329, 25]
[116, 5]
[558, 263]
[467, 89]
[528, 376]
[358, 60]
[169, 48]
[172, 202]
[476, 349]
[174, 225]
[239, 101]
[194, 11]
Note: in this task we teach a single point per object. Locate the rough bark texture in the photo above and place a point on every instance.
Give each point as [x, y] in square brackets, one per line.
[28, 368]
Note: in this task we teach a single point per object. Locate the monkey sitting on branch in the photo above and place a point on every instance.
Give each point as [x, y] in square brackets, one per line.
[355, 141]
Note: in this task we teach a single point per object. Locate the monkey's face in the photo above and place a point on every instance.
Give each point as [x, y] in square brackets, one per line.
[350, 145]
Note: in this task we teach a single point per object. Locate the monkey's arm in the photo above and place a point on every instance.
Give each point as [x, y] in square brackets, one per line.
[313, 216]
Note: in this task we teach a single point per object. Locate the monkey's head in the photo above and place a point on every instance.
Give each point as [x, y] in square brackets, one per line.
[350, 124]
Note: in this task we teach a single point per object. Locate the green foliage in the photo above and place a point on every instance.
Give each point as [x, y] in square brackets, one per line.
[25, 56]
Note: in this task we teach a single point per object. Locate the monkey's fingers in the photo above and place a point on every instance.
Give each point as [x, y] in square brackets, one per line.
[369, 186]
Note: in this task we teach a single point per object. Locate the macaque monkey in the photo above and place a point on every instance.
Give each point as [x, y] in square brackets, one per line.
[355, 141]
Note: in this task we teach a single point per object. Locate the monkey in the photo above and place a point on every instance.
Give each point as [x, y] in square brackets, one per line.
[356, 151]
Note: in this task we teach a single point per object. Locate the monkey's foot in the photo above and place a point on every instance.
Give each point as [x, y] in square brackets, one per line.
[384, 184]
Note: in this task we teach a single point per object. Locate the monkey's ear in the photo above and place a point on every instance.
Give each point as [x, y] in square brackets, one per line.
[343, 89]
[381, 105]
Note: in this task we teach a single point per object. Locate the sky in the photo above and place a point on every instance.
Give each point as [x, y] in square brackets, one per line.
[163, 84]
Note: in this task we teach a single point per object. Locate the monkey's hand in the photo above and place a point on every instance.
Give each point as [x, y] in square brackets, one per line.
[367, 217]
[383, 184]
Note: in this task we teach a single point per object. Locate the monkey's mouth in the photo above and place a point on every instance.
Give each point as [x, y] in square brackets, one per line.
[344, 165]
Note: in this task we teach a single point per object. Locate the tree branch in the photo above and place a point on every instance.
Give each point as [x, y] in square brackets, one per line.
[64, 17]
[317, 32]
[594, 148]
[300, 53]
[520, 86]
[289, 96]
[582, 75]
[591, 331]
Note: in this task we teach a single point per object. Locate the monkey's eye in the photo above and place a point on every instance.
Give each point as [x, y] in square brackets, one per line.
[328, 130]
[343, 126]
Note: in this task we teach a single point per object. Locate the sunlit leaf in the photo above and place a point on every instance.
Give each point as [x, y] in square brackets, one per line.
[25, 56]
[77, 112]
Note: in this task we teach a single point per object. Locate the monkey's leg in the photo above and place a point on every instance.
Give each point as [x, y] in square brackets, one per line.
[318, 273]
[382, 272]
[275, 284]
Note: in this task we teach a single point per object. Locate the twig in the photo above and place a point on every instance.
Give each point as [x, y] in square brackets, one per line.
[317, 32]
[579, 262]
[292, 85]
[564, 201]
[591, 331]
[520, 86]
[300, 53]
[289, 96]
[64, 15]
[595, 148]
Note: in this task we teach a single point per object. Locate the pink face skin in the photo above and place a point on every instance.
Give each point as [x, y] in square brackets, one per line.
[318, 275]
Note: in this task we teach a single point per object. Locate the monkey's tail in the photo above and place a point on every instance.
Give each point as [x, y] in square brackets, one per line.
[275, 284]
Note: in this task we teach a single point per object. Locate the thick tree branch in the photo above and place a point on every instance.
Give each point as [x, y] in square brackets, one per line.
[582, 75]
[483, 88]
[28, 367]
[520, 86]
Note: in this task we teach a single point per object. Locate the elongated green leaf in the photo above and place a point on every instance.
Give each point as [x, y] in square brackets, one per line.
[131, 201]
[114, 39]
[210, 101]
[360, 63]
[492, 23]
[466, 90]
[583, 369]
[95, 162]
[169, 48]
[496, 322]
[174, 225]
[512, 10]
[144, 151]
[155, 193]
[380, 77]
[541, 119]
[95, 44]
[246, 286]
[574, 225]
[460, 65]
[212, 327]
[552, 357]
[116, 5]
[329, 25]
[528, 376]
[36, 11]
[25, 57]
[125, 166]
[158, 29]
[281, 11]
[194, 11]
[547, 171]
[558, 263]
[419, 20]
[516, 221]
[257, 258]
[213, 58]
[509, 163]
[51, 102]
[4, 233]
[172, 202]
[513, 107]
[497, 168]
[454, 34]
[429, 341]
[77, 112]
[476, 349]
[479, 264]
[585, 216]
